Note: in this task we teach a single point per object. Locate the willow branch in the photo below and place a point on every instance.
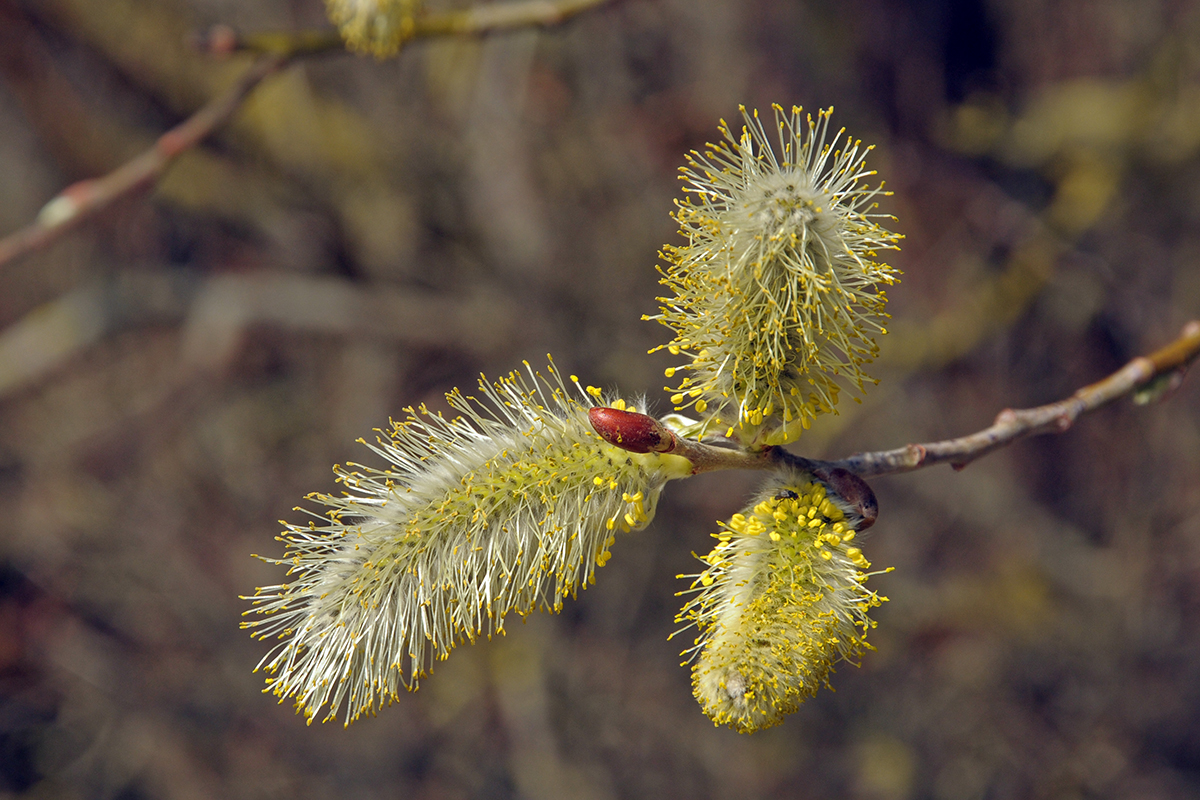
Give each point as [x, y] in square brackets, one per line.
[1143, 372]
[1145, 377]
[86, 198]
[476, 20]
[502, 16]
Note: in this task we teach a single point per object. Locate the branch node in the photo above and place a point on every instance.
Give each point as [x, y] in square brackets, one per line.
[1006, 417]
[172, 143]
[67, 204]
[220, 40]
[916, 455]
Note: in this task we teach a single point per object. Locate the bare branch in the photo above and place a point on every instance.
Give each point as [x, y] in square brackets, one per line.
[480, 19]
[86, 198]
[1010, 425]
[501, 16]
[1142, 373]
[217, 313]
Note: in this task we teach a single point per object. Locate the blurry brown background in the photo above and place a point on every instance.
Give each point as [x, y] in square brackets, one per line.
[177, 374]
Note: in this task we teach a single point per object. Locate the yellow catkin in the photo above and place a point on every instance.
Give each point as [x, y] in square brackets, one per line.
[508, 508]
[776, 613]
[378, 27]
[777, 295]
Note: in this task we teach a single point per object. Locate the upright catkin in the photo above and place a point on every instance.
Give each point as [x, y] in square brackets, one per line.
[779, 291]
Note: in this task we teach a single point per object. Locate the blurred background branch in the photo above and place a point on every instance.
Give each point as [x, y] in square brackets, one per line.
[217, 312]
[86, 198]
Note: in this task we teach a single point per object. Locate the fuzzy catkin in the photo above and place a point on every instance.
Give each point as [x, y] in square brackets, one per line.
[778, 293]
[508, 508]
[780, 602]
[379, 27]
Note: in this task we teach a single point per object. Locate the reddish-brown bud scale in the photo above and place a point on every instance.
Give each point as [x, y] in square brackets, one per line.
[855, 491]
[637, 433]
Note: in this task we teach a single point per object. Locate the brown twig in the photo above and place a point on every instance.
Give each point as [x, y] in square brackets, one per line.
[502, 16]
[479, 19]
[1141, 374]
[1168, 363]
[86, 198]
[217, 313]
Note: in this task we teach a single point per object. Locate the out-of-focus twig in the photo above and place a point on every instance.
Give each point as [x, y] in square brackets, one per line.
[84, 199]
[1154, 374]
[501, 16]
[478, 19]
[218, 312]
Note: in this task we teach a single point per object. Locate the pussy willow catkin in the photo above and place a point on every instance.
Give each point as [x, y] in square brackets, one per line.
[778, 292]
[508, 508]
[781, 600]
[379, 27]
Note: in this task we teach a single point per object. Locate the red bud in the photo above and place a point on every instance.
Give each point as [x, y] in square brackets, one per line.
[637, 433]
